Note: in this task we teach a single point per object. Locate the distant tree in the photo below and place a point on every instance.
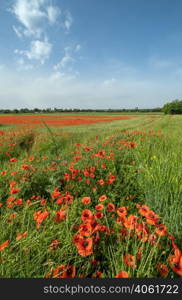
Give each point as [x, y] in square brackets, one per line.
[174, 107]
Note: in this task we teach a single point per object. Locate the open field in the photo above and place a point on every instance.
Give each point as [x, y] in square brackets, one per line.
[101, 199]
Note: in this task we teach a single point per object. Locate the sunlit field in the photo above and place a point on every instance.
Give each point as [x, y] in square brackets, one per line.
[90, 196]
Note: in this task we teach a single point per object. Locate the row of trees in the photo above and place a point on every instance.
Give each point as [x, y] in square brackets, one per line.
[174, 107]
[75, 110]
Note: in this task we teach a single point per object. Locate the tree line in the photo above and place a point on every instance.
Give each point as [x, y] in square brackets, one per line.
[75, 110]
[174, 107]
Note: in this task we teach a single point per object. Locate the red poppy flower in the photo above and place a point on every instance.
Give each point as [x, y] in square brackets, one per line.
[97, 274]
[86, 200]
[12, 184]
[122, 274]
[102, 198]
[84, 246]
[163, 269]
[60, 216]
[111, 207]
[14, 190]
[129, 260]
[13, 159]
[130, 222]
[101, 182]
[69, 272]
[40, 216]
[176, 261]
[161, 229]
[4, 245]
[55, 194]
[151, 217]
[85, 229]
[99, 215]
[76, 239]
[143, 236]
[19, 236]
[86, 215]
[122, 211]
[99, 207]
[143, 210]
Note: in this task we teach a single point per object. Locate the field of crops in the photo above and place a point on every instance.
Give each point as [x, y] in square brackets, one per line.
[90, 196]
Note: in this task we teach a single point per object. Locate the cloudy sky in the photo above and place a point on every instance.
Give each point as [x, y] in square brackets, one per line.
[90, 53]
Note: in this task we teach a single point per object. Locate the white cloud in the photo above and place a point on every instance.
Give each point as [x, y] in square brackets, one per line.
[66, 60]
[34, 14]
[39, 50]
[68, 20]
[18, 31]
[31, 14]
[53, 13]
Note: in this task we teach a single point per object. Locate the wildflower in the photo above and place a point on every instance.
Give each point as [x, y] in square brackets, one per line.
[139, 253]
[86, 215]
[14, 190]
[161, 229]
[103, 166]
[129, 260]
[4, 245]
[60, 216]
[100, 182]
[55, 194]
[143, 210]
[12, 184]
[85, 229]
[19, 236]
[143, 236]
[18, 201]
[99, 207]
[99, 215]
[122, 274]
[122, 211]
[69, 272]
[86, 200]
[84, 246]
[130, 222]
[176, 261]
[13, 159]
[13, 173]
[40, 216]
[43, 202]
[25, 167]
[102, 198]
[111, 207]
[111, 179]
[151, 217]
[97, 274]
[76, 239]
[163, 269]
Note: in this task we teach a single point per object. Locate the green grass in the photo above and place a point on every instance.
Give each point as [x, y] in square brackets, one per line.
[150, 172]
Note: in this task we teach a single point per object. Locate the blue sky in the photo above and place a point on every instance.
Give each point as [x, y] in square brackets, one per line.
[90, 53]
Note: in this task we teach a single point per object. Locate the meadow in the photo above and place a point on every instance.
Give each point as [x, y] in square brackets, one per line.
[90, 195]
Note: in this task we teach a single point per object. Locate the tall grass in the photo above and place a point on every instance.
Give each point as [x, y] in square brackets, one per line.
[149, 173]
